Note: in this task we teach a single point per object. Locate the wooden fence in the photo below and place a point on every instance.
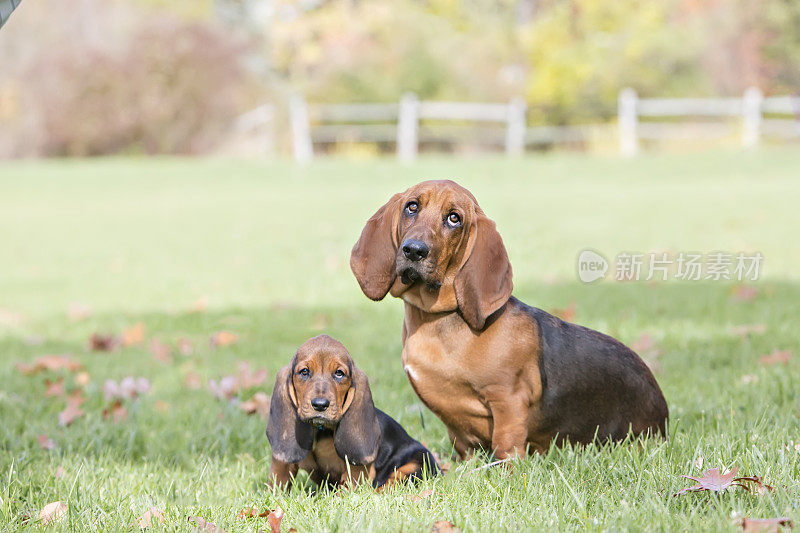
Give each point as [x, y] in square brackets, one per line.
[411, 122]
[708, 118]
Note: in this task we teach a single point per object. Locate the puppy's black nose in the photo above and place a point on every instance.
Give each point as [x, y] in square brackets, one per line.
[415, 250]
[320, 404]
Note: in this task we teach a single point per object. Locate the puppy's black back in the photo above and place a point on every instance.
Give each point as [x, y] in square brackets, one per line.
[397, 449]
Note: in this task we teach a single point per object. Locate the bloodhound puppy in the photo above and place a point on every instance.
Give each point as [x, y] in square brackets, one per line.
[501, 375]
[322, 420]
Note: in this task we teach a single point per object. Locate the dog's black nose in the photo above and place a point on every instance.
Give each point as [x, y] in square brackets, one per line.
[320, 404]
[415, 250]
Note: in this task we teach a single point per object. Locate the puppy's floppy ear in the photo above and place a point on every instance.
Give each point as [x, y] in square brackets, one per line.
[356, 436]
[483, 284]
[372, 258]
[289, 437]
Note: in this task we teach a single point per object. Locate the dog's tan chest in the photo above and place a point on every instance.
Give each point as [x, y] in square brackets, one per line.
[444, 381]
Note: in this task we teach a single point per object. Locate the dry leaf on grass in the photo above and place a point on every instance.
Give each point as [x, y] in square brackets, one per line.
[744, 293]
[567, 314]
[45, 442]
[129, 388]
[73, 410]
[53, 512]
[103, 343]
[259, 403]
[421, 496]
[248, 378]
[777, 357]
[443, 526]
[201, 524]
[765, 525]
[225, 389]
[223, 338]
[146, 520]
[133, 335]
[712, 480]
[116, 412]
[274, 519]
[161, 351]
[54, 388]
[50, 363]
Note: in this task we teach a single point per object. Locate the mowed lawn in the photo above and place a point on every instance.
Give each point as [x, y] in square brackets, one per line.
[189, 248]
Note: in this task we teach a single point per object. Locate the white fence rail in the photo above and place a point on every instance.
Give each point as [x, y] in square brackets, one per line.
[756, 114]
[411, 121]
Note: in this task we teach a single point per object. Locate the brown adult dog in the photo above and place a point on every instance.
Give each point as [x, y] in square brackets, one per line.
[501, 375]
[322, 420]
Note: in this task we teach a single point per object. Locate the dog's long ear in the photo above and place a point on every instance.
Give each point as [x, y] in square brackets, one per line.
[372, 258]
[483, 284]
[356, 437]
[289, 437]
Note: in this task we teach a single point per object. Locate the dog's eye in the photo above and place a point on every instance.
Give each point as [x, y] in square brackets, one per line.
[412, 208]
[339, 374]
[453, 219]
[304, 372]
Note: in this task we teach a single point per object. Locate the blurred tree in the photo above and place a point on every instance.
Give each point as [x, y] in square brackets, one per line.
[582, 52]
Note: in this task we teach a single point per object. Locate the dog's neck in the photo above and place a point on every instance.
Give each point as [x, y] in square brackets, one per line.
[441, 299]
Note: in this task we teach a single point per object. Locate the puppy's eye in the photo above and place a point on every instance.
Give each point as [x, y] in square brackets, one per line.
[453, 219]
[412, 208]
[304, 372]
[339, 374]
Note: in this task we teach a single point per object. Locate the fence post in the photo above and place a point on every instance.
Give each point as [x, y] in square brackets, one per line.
[627, 122]
[301, 130]
[751, 116]
[515, 129]
[407, 128]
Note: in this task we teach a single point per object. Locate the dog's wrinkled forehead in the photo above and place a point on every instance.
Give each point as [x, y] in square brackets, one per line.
[441, 192]
[323, 347]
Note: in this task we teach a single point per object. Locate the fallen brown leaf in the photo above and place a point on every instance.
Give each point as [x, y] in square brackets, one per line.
[765, 525]
[248, 379]
[103, 343]
[129, 388]
[116, 412]
[259, 403]
[133, 335]
[223, 338]
[421, 496]
[72, 411]
[50, 363]
[162, 352]
[200, 305]
[45, 442]
[274, 519]
[648, 350]
[225, 389]
[777, 357]
[250, 512]
[161, 405]
[744, 293]
[53, 512]
[54, 388]
[713, 480]
[146, 520]
[567, 314]
[201, 524]
[443, 526]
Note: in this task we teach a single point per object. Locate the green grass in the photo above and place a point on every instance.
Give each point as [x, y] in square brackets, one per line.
[266, 245]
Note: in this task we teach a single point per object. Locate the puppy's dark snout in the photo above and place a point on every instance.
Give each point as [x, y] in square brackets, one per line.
[415, 250]
[320, 404]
